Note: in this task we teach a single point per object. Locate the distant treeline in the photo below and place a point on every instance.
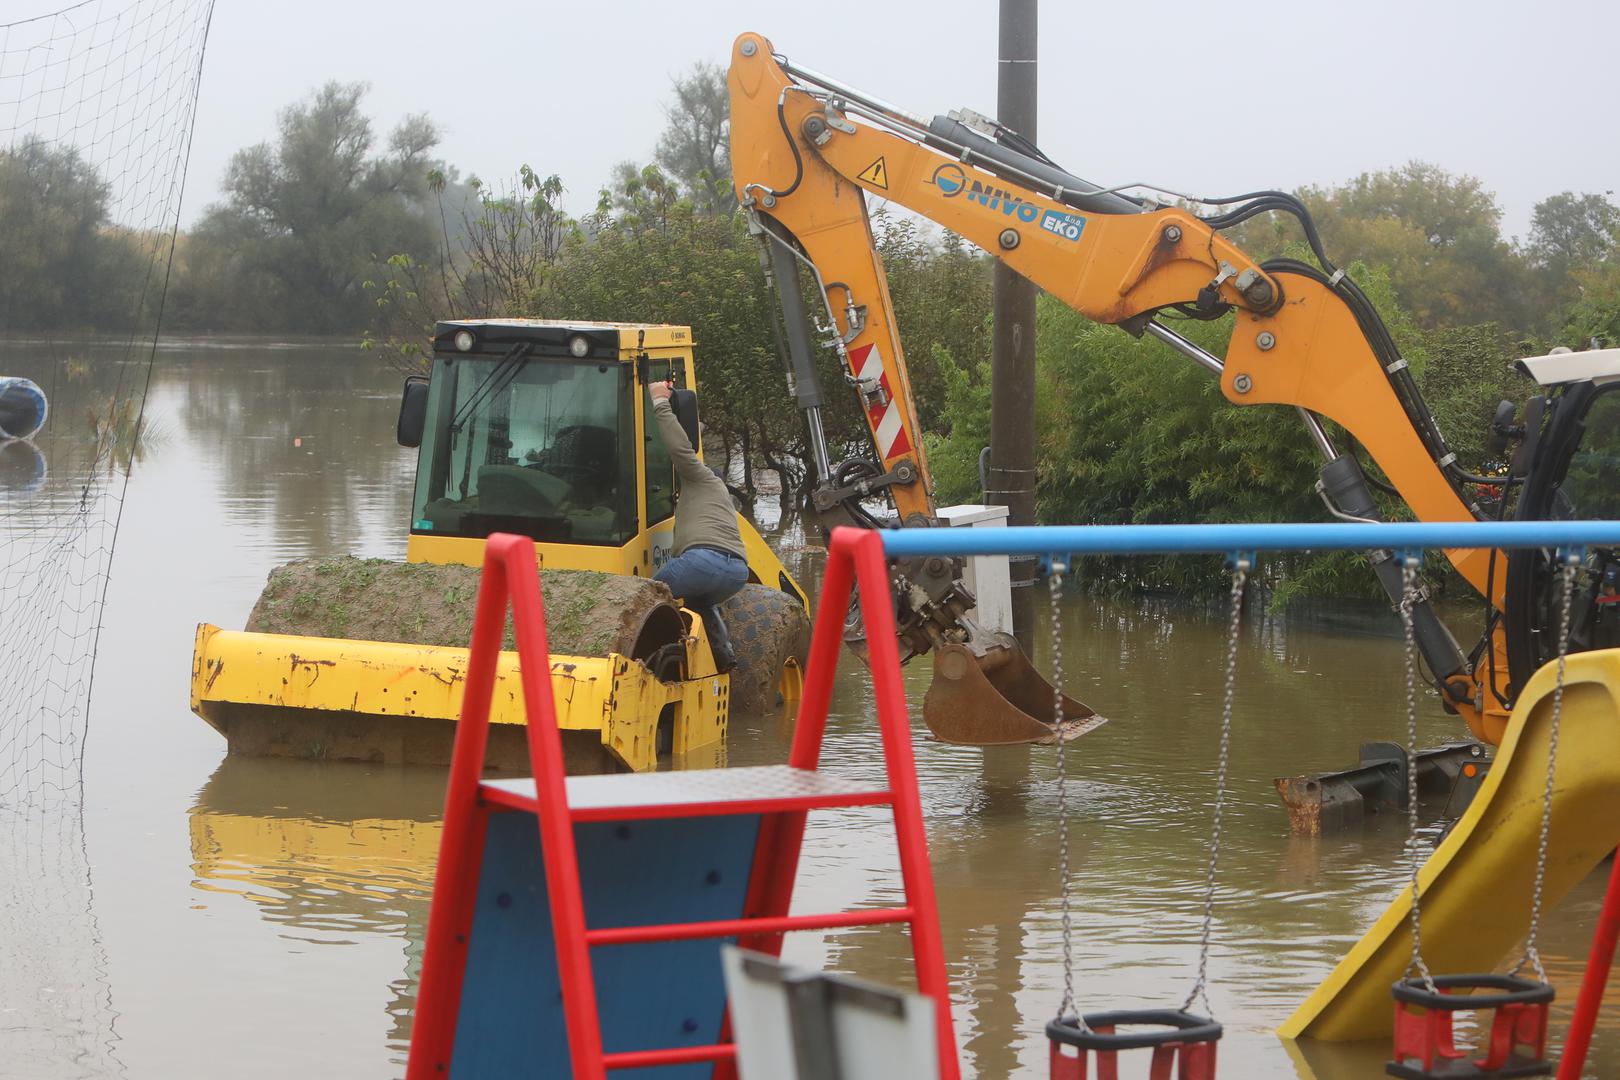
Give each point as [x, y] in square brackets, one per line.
[331, 229]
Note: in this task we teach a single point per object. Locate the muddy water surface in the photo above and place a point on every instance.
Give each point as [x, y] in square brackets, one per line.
[206, 915]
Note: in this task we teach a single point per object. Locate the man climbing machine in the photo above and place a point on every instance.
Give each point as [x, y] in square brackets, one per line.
[709, 566]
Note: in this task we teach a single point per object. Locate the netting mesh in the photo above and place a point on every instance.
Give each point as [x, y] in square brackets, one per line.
[58, 1021]
[96, 108]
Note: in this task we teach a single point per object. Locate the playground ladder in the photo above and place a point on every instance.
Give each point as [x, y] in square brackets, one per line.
[615, 848]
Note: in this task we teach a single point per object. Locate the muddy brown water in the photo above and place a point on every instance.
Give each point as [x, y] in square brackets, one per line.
[264, 918]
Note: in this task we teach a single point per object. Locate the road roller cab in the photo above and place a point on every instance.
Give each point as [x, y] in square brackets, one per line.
[541, 428]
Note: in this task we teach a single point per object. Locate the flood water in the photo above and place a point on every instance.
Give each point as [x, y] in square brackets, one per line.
[207, 916]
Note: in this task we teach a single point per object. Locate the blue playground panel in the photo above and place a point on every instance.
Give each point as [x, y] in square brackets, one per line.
[656, 994]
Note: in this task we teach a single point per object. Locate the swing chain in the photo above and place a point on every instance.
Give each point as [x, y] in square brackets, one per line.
[1240, 577]
[1409, 599]
[1066, 1010]
[1532, 954]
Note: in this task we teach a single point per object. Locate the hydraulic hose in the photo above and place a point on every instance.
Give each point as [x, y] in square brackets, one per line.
[1385, 351]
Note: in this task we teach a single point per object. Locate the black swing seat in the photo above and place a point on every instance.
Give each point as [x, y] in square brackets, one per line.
[1175, 1026]
[1517, 1047]
[1183, 1044]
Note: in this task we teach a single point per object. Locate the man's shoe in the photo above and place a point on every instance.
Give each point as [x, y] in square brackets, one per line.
[725, 658]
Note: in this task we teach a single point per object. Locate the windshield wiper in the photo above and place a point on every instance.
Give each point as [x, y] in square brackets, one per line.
[506, 370]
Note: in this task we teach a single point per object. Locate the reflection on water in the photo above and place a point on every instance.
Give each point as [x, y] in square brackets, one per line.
[22, 470]
[269, 914]
[56, 1009]
[326, 852]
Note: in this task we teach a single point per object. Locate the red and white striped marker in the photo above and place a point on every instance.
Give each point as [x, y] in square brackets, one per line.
[888, 426]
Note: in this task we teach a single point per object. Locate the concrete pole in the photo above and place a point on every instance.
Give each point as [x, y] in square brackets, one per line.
[1011, 475]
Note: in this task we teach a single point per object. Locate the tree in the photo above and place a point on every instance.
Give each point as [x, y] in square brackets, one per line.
[308, 218]
[941, 289]
[496, 247]
[1568, 230]
[511, 237]
[648, 255]
[61, 262]
[1439, 235]
[693, 147]
[1468, 370]
[1594, 318]
[1572, 240]
[644, 199]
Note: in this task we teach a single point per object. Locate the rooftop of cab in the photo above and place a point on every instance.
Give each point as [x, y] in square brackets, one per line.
[549, 336]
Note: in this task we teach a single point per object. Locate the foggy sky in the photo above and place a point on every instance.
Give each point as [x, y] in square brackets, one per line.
[1213, 99]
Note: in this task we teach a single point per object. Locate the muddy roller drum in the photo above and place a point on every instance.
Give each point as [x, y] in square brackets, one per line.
[364, 659]
[587, 614]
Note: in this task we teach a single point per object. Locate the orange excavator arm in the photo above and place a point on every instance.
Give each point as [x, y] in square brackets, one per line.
[807, 150]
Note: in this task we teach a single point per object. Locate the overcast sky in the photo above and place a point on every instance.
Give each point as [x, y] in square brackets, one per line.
[1204, 97]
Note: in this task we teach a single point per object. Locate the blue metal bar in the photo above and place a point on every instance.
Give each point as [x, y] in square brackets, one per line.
[1220, 539]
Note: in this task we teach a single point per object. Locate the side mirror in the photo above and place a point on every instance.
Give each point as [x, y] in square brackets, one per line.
[1502, 429]
[1523, 458]
[413, 411]
[683, 403]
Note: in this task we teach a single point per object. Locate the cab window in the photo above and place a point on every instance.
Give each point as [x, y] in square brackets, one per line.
[660, 469]
[538, 448]
[1592, 481]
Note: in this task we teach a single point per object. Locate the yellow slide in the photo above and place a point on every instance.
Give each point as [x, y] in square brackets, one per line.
[1476, 887]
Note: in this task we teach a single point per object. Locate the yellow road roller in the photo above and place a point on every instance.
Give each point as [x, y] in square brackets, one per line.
[526, 426]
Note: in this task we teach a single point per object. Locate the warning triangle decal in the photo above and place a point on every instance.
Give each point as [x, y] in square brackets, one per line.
[876, 174]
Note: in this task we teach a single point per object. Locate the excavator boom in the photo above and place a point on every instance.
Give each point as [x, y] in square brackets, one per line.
[814, 228]
[807, 150]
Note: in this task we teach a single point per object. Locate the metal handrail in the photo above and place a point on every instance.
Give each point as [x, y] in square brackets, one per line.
[1405, 536]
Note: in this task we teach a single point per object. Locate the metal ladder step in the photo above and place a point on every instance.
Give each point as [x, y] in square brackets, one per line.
[694, 793]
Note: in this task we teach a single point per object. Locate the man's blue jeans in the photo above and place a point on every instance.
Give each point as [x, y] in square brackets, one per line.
[703, 579]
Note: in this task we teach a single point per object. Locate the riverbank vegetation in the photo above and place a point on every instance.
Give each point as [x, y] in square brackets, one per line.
[336, 227]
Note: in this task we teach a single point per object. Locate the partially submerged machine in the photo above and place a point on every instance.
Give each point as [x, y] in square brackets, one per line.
[539, 428]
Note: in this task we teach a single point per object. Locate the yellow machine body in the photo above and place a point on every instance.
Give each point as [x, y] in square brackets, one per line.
[316, 697]
[389, 702]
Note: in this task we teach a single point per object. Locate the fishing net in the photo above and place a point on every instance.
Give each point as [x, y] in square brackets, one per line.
[57, 1019]
[96, 108]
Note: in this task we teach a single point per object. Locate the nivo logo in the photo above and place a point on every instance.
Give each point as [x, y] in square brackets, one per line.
[953, 181]
[950, 179]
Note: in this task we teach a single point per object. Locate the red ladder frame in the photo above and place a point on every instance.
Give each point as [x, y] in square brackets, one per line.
[511, 574]
[1593, 982]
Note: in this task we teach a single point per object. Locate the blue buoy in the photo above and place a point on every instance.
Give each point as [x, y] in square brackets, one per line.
[22, 407]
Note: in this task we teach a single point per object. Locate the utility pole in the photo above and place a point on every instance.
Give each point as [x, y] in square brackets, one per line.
[1011, 475]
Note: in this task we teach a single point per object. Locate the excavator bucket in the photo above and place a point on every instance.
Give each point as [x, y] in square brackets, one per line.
[986, 693]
